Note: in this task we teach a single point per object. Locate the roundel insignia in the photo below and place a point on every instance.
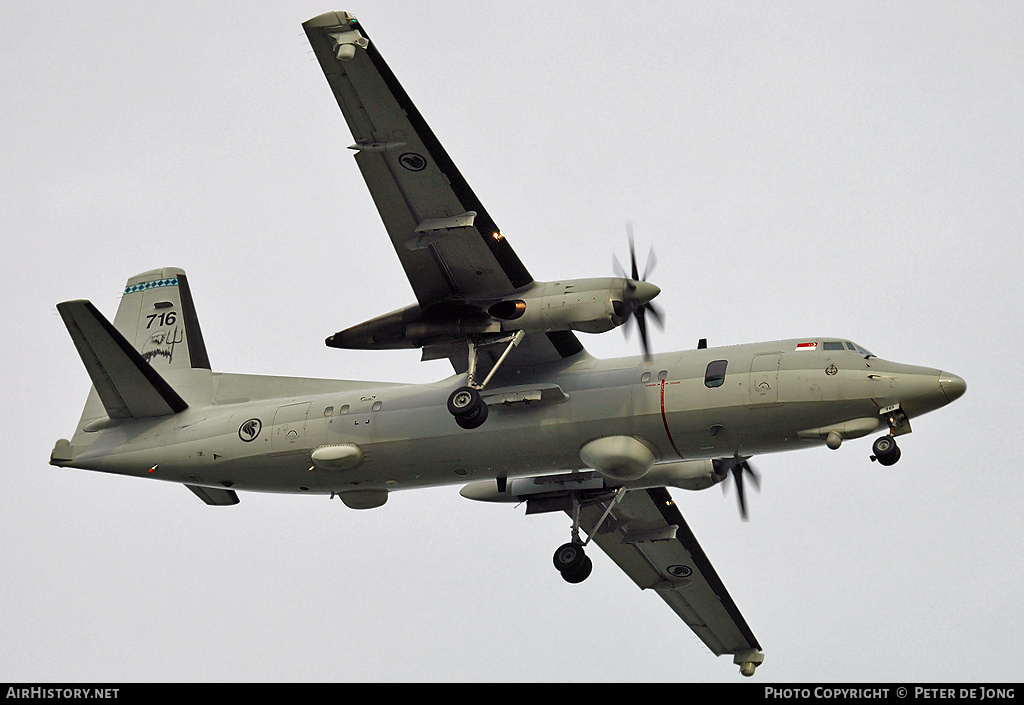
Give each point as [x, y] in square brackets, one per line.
[679, 571]
[250, 429]
[413, 161]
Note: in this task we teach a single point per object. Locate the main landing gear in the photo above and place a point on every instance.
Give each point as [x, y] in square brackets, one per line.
[468, 408]
[465, 403]
[570, 559]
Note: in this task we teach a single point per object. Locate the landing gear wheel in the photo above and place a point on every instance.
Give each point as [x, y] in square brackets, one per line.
[885, 450]
[581, 573]
[463, 400]
[467, 407]
[569, 557]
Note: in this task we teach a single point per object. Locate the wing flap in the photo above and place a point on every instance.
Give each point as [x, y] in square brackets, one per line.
[126, 384]
[648, 539]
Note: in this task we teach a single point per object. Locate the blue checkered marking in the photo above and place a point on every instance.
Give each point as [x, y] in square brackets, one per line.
[156, 283]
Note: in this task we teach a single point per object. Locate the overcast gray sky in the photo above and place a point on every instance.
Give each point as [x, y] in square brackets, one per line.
[802, 169]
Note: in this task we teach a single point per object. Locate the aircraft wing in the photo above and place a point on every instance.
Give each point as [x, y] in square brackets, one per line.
[647, 537]
[450, 247]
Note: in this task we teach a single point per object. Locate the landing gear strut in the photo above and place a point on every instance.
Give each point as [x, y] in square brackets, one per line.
[465, 403]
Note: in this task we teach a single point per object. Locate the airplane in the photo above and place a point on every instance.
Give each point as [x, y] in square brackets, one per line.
[528, 415]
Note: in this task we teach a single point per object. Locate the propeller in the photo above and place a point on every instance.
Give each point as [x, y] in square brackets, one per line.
[638, 293]
[737, 467]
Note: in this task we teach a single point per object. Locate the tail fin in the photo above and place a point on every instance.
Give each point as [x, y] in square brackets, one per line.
[158, 318]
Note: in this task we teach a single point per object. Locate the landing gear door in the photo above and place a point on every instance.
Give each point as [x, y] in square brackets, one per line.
[764, 379]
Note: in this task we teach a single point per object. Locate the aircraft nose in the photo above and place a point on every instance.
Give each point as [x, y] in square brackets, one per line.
[952, 386]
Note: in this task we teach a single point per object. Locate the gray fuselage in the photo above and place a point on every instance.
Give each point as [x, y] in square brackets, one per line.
[773, 397]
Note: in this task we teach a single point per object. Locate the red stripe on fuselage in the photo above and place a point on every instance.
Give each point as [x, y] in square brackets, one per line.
[664, 420]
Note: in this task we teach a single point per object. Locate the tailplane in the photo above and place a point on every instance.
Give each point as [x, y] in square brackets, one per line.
[126, 383]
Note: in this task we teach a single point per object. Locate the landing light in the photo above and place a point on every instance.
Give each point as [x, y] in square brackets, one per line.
[497, 235]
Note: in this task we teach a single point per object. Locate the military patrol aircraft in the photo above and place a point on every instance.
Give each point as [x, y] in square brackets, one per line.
[528, 416]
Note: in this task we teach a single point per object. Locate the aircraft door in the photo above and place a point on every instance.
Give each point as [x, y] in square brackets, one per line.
[289, 427]
[764, 379]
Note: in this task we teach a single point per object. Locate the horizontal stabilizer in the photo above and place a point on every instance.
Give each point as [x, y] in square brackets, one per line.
[214, 496]
[126, 384]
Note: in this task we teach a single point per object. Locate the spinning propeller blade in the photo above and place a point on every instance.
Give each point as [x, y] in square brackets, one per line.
[737, 467]
[638, 293]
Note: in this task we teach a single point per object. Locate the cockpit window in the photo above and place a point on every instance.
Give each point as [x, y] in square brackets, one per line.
[832, 346]
[862, 351]
[715, 374]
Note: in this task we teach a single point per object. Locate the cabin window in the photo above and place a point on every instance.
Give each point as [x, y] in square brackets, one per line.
[714, 376]
[376, 406]
[832, 346]
[329, 411]
[645, 377]
[343, 410]
[663, 375]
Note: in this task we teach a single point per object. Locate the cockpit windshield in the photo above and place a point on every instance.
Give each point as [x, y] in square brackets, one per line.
[831, 345]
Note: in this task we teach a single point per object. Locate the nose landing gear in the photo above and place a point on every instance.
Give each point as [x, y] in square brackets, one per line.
[885, 450]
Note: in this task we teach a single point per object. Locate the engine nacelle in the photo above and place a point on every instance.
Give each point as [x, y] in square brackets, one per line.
[684, 474]
[412, 327]
[585, 305]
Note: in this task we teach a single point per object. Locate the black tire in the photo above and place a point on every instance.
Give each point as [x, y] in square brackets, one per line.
[581, 573]
[892, 458]
[569, 557]
[463, 401]
[886, 451]
[473, 419]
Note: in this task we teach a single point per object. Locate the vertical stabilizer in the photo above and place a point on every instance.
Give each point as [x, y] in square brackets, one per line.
[158, 318]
